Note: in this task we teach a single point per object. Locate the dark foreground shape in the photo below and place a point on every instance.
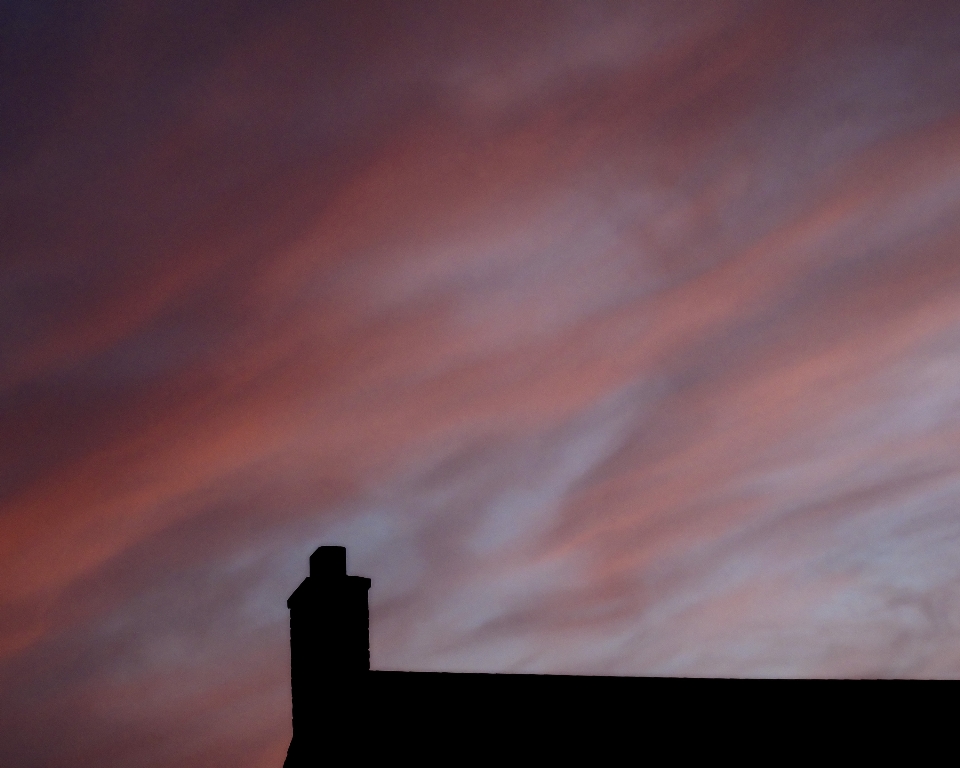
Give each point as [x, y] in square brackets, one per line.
[329, 654]
[345, 714]
[342, 711]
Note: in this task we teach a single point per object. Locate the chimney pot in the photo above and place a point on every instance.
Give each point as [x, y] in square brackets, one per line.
[328, 562]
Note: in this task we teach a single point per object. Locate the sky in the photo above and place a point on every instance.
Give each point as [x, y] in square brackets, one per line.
[609, 338]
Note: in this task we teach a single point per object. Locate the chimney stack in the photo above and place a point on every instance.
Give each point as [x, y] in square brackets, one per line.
[329, 653]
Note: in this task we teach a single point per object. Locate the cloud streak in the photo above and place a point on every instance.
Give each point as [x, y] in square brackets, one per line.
[609, 338]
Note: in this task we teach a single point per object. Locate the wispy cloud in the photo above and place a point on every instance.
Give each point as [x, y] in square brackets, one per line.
[608, 339]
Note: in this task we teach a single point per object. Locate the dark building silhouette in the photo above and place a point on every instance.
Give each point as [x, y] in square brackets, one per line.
[329, 652]
[344, 713]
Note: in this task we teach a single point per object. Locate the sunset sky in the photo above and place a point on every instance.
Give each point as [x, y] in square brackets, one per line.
[614, 338]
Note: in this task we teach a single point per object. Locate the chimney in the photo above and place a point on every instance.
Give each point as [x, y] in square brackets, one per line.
[329, 652]
[328, 563]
